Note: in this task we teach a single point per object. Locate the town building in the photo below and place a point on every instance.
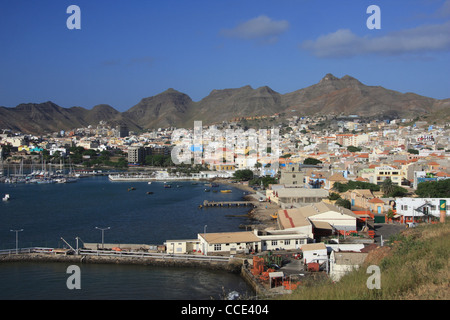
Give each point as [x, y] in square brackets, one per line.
[342, 263]
[229, 242]
[421, 209]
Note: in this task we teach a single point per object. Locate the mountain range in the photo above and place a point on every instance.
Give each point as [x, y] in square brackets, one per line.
[171, 108]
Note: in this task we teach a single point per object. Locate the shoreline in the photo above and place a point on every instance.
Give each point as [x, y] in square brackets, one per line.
[263, 211]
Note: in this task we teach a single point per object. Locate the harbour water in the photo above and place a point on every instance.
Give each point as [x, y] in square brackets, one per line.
[47, 212]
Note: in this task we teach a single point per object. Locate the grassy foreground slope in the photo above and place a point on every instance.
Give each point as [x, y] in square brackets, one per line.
[414, 265]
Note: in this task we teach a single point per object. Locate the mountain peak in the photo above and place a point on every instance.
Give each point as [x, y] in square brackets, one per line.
[329, 77]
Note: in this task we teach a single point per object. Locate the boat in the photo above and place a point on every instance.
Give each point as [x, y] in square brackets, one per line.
[225, 191]
[149, 192]
[6, 197]
[131, 189]
[149, 182]
[207, 190]
[167, 186]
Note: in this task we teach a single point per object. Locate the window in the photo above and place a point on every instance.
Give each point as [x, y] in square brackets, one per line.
[287, 242]
[218, 247]
[274, 242]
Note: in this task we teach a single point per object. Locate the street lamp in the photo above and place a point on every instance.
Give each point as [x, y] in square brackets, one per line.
[103, 234]
[17, 238]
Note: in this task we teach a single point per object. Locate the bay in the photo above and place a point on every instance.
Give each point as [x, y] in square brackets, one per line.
[48, 212]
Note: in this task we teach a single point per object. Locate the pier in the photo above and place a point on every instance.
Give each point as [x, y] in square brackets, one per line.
[208, 204]
[39, 254]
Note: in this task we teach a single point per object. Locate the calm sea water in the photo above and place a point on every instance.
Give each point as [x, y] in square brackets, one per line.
[51, 211]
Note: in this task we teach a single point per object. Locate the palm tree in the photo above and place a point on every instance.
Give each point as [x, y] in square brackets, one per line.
[387, 187]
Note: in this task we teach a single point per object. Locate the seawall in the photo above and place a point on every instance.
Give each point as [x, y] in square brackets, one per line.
[233, 265]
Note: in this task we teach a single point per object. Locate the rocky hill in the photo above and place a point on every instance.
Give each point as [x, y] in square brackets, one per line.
[331, 95]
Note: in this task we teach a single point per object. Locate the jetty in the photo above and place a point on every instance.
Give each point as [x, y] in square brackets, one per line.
[41, 254]
[207, 204]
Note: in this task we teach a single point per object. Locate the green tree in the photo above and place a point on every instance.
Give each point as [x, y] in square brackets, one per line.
[334, 196]
[353, 149]
[434, 189]
[243, 175]
[387, 187]
[344, 203]
[312, 161]
[351, 185]
[413, 151]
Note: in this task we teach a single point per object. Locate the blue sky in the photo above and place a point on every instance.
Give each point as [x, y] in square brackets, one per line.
[129, 50]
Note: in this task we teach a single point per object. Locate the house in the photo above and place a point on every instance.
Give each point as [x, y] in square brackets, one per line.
[336, 177]
[376, 205]
[229, 242]
[314, 252]
[183, 246]
[358, 197]
[344, 262]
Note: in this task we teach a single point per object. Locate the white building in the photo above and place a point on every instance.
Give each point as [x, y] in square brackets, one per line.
[314, 252]
[281, 240]
[412, 209]
[342, 263]
[229, 242]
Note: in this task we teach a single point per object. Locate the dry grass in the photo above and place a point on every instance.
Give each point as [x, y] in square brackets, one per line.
[414, 266]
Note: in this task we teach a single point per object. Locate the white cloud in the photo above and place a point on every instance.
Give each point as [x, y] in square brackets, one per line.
[261, 28]
[344, 43]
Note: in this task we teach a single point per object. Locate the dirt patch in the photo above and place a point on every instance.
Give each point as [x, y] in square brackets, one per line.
[375, 256]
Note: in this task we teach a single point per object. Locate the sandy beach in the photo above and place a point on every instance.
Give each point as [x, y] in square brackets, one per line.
[264, 210]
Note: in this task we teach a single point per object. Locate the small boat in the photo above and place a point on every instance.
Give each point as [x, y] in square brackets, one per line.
[207, 190]
[149, 182]
[167, 186]
[225, 191]
[149, 192]
[6, 197]
[131, 189]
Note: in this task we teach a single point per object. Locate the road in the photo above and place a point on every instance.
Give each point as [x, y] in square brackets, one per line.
[386, 231]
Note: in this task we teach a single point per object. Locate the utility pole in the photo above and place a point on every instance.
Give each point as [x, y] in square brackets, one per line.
[17, 239]
[103, 233]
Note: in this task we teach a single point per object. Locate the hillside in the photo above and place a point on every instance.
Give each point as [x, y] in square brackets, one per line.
[330, 96]
[414, 266]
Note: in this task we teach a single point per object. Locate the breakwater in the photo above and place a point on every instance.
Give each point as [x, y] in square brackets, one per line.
[230, 265]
